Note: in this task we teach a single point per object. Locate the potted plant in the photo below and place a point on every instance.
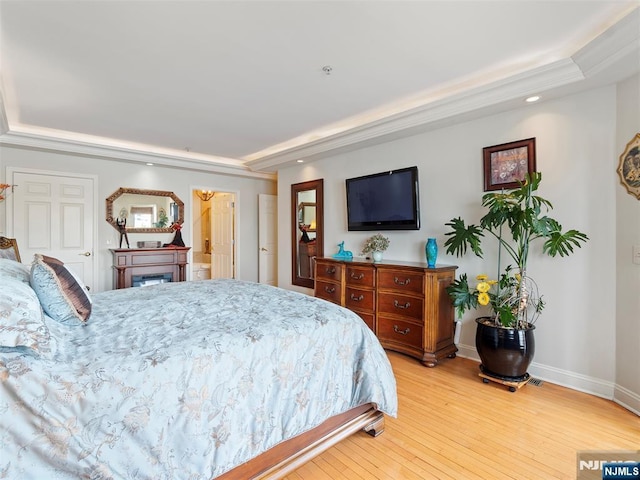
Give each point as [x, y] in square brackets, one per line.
[516, 219]
[375, 245]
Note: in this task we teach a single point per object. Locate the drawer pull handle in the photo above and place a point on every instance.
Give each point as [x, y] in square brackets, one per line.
[401, 282]
[357, 299]
[331, 270]
[397, 305]
[357, 277]
[401, 332]
[330, 289]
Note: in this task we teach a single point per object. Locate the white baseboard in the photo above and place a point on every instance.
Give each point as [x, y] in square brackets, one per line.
[467, 351]
[627, 399]
[576, 381]
[583, 383]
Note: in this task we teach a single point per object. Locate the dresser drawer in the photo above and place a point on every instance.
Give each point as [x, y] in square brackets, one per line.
[359, 299]
[401, 281]
[399, 331]
[359, 276]
[397, 304]
[328, 291]
[329, 271]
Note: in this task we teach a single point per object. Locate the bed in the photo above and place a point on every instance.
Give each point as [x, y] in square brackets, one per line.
[199, 380]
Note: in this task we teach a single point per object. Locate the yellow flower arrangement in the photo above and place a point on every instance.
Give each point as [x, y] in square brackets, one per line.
[483, 288]
[511, 295]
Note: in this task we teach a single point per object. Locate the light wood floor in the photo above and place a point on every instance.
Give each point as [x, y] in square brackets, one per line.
[448, 427]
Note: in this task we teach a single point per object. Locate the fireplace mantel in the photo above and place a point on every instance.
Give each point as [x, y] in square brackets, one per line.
[130, 262]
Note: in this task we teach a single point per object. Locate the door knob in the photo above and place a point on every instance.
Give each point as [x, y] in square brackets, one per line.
[262, 249]
[86, 254]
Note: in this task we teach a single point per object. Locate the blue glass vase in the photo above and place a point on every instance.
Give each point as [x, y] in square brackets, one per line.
[431, 251]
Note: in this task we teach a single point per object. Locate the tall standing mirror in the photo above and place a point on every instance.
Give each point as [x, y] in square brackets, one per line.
[307, 230]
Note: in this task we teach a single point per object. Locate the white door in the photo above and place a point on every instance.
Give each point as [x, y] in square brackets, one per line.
[267, 239]
[53, 214]
[222, 235]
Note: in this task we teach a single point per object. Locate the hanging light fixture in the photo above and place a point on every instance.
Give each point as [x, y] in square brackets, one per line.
[205, 195]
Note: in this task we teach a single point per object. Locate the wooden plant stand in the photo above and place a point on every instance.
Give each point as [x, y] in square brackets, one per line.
[513, 385]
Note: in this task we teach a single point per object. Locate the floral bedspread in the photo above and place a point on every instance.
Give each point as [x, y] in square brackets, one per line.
[184, 381]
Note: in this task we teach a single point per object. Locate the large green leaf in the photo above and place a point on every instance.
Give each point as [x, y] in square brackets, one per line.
[545, 226]
[461, 295]
[462, 237]
[563, 243]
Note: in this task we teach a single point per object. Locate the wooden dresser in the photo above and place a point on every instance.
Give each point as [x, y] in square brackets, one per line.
[404, 303]
[144, 266]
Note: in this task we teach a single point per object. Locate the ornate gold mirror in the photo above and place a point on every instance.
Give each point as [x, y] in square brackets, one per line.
[144, 211]
[307, 232]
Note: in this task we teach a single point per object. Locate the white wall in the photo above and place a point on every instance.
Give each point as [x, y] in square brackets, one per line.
[113, 175]
[628, 274]
[575, 140]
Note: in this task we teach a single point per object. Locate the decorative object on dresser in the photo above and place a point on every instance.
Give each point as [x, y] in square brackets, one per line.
[148, 266]
[342, 253]
[431, 252]
[515, 219]
[404, 303]
[376, 245]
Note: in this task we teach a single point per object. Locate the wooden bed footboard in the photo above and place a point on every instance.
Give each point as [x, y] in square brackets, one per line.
[289, 455]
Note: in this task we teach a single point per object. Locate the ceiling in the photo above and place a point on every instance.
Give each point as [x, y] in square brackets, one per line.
[251, 86]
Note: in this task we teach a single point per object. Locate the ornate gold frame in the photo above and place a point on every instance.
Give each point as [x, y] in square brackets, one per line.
[111, 218]
[629, 167]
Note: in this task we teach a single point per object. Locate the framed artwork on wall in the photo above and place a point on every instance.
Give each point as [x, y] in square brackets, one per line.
[629, 167]
[507, 164]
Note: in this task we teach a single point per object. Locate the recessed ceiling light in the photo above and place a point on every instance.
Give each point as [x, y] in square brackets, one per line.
[150, 164]
[300, 161]
[532, 99]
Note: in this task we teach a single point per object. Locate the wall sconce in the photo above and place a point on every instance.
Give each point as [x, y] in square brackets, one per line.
[205, 195]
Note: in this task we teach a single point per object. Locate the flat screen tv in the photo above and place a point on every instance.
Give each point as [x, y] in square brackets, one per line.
[384, 201]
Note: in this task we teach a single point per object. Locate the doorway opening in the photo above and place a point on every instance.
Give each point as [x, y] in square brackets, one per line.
[214, 234]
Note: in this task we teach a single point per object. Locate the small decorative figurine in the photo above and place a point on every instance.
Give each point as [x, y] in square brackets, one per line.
[177, 238]
[122, 227]
[342, 253]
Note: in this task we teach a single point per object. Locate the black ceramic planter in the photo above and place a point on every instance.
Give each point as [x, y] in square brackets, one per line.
[505, 353]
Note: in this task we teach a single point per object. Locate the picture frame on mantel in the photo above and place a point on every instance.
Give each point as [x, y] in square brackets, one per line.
[506, 165]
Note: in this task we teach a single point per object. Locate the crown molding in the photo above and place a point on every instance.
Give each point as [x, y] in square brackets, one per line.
[123, 154]
[557, 74]
[619, 42]
[615, 52]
